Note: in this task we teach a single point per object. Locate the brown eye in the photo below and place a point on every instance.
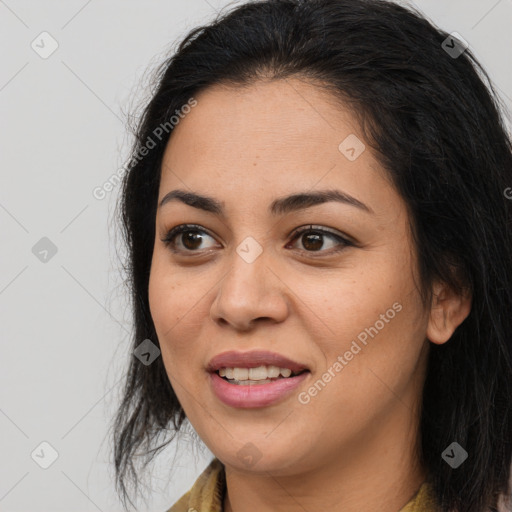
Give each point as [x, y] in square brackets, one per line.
[191, 238]
[313, 240]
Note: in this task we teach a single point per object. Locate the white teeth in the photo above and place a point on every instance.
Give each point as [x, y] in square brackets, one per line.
[240, 373]
[273, 372]
[260, 373]
[285, 372]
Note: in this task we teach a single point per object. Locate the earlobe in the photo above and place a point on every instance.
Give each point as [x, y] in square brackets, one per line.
[448, 310]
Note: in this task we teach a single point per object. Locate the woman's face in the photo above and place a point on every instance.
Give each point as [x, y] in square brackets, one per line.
[241, 280]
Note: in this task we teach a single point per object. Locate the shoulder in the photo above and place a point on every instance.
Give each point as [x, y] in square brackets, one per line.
[423, 501]
[207, 493]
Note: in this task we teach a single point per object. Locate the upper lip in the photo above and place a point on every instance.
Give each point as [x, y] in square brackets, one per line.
[252, 359]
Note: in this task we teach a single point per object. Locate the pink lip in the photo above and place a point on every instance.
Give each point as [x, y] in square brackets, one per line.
[257, 395]
[253, 359]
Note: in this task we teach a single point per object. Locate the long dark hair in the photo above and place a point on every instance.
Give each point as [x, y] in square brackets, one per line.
[432, 115]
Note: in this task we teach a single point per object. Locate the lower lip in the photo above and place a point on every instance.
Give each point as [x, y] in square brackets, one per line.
[254, 395]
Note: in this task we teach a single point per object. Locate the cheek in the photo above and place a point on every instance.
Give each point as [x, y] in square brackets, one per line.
[379, 324]
[161, 292]
[175, 301]
[349, 306]
[171, 295]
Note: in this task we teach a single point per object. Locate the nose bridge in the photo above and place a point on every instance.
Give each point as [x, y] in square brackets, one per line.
[247, 279]
[249, 290]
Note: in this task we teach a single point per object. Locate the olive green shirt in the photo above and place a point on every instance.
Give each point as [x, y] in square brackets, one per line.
[207, 494]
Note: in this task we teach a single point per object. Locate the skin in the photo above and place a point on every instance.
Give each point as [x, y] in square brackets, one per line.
[351, 447]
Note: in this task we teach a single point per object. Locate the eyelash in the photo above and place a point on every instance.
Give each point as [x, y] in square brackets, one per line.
[183, 228]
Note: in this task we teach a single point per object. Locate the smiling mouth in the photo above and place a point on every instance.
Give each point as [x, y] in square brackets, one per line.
[257, 386]
[256, 376]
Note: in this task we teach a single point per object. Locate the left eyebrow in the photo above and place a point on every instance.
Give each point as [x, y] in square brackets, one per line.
[280, 206]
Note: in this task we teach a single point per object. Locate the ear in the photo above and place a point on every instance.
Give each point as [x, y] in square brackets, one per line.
[447, 311]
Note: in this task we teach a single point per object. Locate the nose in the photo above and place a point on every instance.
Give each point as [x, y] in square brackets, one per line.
[250, 292]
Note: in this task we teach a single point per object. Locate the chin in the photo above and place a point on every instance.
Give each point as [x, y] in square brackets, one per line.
[256, 456]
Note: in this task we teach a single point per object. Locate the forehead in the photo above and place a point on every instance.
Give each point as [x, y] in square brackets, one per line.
[266, 120]
[270, 138]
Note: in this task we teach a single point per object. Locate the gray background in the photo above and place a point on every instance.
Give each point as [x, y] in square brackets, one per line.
[64, 321]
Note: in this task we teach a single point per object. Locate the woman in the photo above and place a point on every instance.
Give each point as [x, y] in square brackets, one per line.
[319, 236]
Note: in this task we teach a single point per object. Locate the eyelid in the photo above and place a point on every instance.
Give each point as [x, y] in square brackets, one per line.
[321, 229]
